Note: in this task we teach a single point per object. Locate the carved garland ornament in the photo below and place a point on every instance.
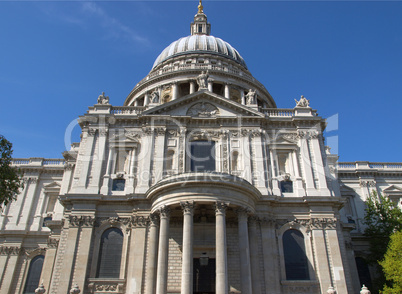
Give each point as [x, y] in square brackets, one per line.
[82, 220]
[10, 250]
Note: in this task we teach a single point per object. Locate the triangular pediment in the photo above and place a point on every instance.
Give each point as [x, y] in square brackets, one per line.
[393, 189]
[203, 104]
[53, 185]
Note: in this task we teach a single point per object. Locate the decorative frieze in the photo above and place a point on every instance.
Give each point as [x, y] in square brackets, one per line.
[10, 250]
[322, 223]
[139, 221]
[107, 287]
[81, 221]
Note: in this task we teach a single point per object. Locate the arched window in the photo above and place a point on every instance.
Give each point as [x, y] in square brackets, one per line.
[34, 272]
[110, 251]
[294, 250]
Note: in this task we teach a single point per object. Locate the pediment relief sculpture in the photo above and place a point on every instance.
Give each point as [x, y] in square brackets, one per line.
[203, 109]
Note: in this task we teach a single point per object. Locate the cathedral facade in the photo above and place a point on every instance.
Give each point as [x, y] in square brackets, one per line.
[199, 183]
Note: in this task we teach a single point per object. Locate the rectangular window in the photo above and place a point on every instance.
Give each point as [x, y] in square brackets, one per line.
[202, 156]
[200, 28]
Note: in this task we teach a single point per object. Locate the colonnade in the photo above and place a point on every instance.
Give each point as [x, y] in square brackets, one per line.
[175, 92]
[157, 276]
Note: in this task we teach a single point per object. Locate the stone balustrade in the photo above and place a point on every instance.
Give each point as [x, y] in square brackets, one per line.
[278, 112]
[370, 165]
[37, 161]
[127, 110]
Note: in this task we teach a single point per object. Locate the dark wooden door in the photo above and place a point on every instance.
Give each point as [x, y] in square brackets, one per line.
[204, 277]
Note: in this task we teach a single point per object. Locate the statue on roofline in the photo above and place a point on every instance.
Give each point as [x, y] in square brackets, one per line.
[202, 80]
[102, 99]
[303, 102]
[250, 97]
[155, 97]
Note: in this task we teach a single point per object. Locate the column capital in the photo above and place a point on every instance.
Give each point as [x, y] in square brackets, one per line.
[254, 220]
[187, 206]
[220, 207]
[242, 212]
[164, 211]
[153, 220]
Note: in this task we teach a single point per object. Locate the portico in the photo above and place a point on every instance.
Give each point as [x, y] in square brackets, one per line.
[205, 204]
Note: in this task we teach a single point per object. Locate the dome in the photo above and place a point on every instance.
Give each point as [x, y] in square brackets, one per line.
[200, 44]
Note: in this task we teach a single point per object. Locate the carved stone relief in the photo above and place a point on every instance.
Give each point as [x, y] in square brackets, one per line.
[203, 109]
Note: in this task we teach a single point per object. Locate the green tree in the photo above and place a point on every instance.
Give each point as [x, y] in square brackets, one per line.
[392, 265]
[10, 177]
[382, 218]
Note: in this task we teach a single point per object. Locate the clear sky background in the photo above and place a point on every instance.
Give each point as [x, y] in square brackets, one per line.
[346, 57]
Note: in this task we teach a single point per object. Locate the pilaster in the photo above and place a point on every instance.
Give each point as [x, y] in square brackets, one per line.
[106, 178]
[323, 270]
[159, 154]
[136, 256]
[306, 163]
[244, 249]
[254, 255]
[271, 255]
[13, 253]
[259, 159]
[86, 158]
[319, 164]
[48, 263]
[98, 162]
[27, 209]
[144, 159]
[82, 254]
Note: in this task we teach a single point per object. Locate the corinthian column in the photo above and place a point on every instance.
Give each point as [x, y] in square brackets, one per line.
[187, 258]
[245, 270]
[153, 251]
[221, 254]
[162, 273]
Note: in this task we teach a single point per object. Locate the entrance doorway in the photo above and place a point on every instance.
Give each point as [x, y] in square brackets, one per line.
[204, 277]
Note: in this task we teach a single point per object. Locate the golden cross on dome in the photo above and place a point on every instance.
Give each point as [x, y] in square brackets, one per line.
[200, 7]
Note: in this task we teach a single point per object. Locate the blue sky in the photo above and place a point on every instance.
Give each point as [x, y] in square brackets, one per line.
[57, 57]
